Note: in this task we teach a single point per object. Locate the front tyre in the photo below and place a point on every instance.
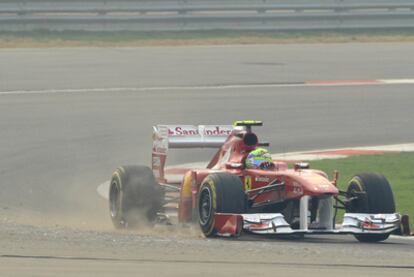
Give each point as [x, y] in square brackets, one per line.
[134, 196]
[372, 193]
[219, 193]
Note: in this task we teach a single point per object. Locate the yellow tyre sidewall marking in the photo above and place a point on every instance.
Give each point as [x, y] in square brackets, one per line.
[358, 182]
[212, 187]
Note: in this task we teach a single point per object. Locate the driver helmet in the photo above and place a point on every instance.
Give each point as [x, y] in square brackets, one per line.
[259, 158]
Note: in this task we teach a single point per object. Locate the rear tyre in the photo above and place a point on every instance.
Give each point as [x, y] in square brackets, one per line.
[372, 194]
[134, 197]
[219, 193]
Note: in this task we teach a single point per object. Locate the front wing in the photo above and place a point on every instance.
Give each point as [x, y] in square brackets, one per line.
[275, 224]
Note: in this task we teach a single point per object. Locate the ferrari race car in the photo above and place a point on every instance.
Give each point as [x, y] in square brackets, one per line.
[228, 198]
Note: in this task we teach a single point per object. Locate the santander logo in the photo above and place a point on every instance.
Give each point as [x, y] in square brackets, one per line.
[219, 131]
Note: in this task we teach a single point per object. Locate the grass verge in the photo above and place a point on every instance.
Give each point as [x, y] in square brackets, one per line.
[126, 38]
[397, 167]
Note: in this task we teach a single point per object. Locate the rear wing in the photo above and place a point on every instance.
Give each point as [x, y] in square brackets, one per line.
[189, 136]
[184, 136]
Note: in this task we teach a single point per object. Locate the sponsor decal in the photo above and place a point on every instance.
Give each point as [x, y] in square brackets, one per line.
[367, 224]
[160, 146]
[324, 186]
[217, 130]
[183, 131]
[189, 130]
[247, 183]
[263, 226]
[297, 188]
[262, 179]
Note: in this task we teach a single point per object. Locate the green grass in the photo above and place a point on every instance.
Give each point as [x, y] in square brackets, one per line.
[398, 168]
[126, 38]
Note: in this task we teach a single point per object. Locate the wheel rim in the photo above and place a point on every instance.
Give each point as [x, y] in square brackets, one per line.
[205, 206]
[114, 199]
[354, 206]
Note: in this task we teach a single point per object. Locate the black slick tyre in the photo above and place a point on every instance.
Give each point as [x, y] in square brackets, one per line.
[372, 193]
[219, 193]
[134, 196]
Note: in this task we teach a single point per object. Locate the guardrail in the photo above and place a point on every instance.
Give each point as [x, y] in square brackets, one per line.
[184, 15]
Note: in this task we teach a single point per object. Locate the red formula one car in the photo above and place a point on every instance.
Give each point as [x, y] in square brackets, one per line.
[226, 197]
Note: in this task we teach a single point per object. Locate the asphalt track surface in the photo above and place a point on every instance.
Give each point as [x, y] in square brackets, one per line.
[66, 124]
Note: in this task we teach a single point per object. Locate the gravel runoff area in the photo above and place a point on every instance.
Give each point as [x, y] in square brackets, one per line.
[39, 251]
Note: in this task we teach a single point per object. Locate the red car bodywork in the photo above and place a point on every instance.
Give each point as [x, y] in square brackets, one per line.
[231, 158]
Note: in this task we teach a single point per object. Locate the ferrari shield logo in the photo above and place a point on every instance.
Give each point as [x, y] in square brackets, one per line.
[247, 183]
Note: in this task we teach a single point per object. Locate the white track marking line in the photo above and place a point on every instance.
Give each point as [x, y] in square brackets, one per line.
[397, 81]
[144, 89]
[407, 147]
[309, 156]
[213, 87]
[306, 157]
